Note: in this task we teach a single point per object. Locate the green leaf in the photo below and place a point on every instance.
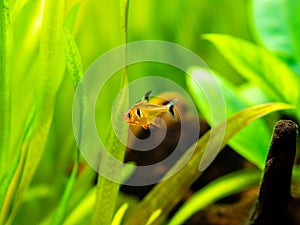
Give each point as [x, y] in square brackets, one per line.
[5, 84]
[9, 185]
[117, 220]
[73, 59]
[60, 212]
[107, 190]
[154, 216]
[254, 151]
[168, 193]
[82, 210]
[271, 24]
[259, 67]
[277, 25]
[10, 182]
[50, 77]
[220, 188]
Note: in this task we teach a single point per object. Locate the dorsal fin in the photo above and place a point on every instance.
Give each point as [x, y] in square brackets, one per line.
[146, 96]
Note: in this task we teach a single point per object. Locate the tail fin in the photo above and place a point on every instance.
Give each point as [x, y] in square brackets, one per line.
[170, 106]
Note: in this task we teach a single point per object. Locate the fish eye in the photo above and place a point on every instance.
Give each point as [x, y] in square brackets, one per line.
[128, 115]
[138, 112]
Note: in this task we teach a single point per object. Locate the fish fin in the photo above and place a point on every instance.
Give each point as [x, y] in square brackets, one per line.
[170, 106]
[145, 126]
[146, 96]
[156, 122]
[151, 126]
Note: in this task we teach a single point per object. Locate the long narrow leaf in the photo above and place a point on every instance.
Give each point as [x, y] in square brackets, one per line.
[51, 75]
[61, 211]
[5, 83]
[74, 67]
[168, 193]
[10, 182]
[220, 188]
[107, 190]
[84, 207]
[120, 214]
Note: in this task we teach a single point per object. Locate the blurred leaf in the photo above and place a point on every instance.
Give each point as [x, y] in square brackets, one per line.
[254, 151]
[51, 67]
[10, 182]
[82, 210]
[296, 173]
[277, 25]
[260, 67]
[117, 220]
[36, 192]
[60, 212]
[73, 63]
[251, 94]
[5, 84]
[84, 207]
[27, 23]
[270, 22]
[5, 183]
[72, 15]
[220, 188]
[168, 193]
[154, 216]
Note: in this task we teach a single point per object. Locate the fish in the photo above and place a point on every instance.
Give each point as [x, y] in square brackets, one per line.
[148, 115]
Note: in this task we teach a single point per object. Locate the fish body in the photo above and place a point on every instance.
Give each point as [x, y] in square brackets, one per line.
[146, 114]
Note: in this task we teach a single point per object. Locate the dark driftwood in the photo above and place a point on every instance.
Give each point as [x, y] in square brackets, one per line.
[274, 194]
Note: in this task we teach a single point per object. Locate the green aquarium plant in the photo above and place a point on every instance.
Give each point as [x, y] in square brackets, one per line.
[45, 47]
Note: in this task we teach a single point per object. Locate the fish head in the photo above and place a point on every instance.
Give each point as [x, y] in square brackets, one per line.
[128, 117]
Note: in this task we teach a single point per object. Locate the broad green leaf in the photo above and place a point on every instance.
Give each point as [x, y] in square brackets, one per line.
[220, 188]
[168, 193]
[277, 25]
[254, 151]
[271, 25]
[5, 83]
[259, 67]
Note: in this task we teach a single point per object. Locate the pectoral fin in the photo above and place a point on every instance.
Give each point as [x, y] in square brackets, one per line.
[156, 122]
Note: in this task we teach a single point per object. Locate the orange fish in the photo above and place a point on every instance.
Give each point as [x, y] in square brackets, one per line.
[145, 114]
